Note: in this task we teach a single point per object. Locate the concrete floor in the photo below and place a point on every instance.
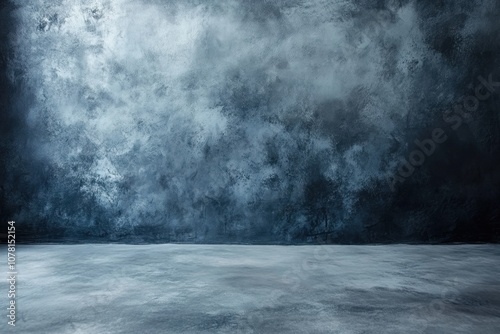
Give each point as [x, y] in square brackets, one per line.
[255, 289]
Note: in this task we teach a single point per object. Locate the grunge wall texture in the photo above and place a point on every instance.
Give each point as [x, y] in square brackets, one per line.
[250, 121]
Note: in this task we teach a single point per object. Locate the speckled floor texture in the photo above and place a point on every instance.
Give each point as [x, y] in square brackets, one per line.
[172, 288]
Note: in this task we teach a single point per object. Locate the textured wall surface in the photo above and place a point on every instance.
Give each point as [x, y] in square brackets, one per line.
[264, 121]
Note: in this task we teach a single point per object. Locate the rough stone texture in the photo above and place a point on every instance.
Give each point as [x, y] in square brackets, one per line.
[238, 121]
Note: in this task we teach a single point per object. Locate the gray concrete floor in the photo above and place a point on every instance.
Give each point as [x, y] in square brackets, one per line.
[256, 289]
